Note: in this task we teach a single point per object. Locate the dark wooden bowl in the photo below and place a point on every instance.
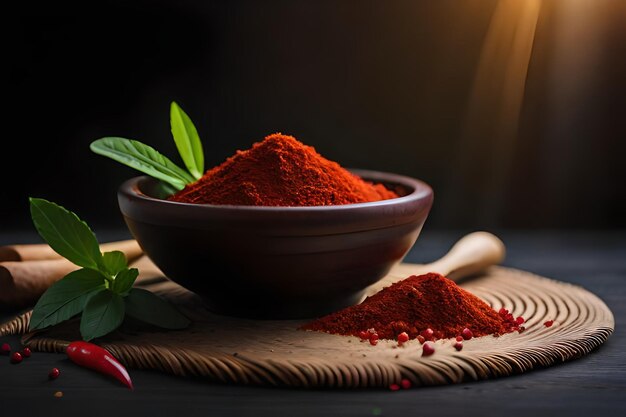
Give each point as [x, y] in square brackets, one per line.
[276, 262]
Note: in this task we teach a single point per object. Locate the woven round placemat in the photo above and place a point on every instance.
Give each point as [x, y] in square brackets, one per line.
[230, 350]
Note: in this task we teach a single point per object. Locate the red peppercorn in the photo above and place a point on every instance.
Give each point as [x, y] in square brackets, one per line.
[427, 334]
[503, 311]
[54, 373]
[374, 339]
[548, 323]
[459, 338]
[405, 383]
[421, 339]
[394, 387]
[403, 337]
[428, 349]
[16, 357]
[364, 335]
[467, 334]
[458, 345]
[5, 349]
[520, 320]
[26, 352]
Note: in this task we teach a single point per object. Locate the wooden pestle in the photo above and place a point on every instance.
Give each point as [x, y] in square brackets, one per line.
[472, 254]
[23, 282]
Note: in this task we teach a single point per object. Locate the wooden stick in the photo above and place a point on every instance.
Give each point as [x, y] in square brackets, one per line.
[40, 252]
[471, 255]
[23, 282]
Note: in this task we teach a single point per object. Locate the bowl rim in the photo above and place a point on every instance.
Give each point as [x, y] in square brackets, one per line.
[421, 190]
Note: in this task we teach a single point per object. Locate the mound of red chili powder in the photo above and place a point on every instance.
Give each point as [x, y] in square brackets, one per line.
[413, 305]
[281, 171]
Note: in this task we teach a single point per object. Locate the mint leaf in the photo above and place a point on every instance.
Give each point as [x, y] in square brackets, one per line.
[103, 313]
[149, 308]
[124, 281]
[143, 158]
[65, 298]
[114, 262]
[69, 236]
[187, 140]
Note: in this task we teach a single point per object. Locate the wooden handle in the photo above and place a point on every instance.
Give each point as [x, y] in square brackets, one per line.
[23, 282]
[470, 255]
[40, 252]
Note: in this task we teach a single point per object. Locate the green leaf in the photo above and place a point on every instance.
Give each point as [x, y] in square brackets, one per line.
[103, 313]
[149, 308]
[114, 262]
[187, 140]
[124, 281]
[69, 236]
[143, 158]
[66, 298]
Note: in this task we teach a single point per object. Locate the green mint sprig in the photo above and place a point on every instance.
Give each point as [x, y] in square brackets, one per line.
[102, 290]
[146, 159]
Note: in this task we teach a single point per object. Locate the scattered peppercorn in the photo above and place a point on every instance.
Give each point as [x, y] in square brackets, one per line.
[394, 387]
[54, 373]
[58, 394]
[403, 338]
[405, 383]
[427, 334]
[26, 352]
[458, 345]
[467, 334]
[514, 324]
[374, 339]
[549, 323]
[428, 349]
[421, 339]
[459, 338]
[5, 349]
[16, 357]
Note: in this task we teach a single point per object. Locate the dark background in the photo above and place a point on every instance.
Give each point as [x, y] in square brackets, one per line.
[371, 84]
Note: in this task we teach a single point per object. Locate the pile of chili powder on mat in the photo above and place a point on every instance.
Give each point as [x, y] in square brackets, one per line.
[418, 305]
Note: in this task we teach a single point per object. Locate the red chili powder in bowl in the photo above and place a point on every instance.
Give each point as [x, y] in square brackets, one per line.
[281, 171]
[414, 305]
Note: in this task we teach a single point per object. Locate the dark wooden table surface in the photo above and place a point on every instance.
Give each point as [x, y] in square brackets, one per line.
[594, 384]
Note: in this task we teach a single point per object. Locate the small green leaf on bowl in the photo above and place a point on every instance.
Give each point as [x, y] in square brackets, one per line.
[143, 158]
[187, 140]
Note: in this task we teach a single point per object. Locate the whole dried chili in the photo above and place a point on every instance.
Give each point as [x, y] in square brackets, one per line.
[428, 307]
[281, 171]
[94, 357]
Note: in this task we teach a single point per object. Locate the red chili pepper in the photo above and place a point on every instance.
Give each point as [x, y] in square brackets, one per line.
[99, 359]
